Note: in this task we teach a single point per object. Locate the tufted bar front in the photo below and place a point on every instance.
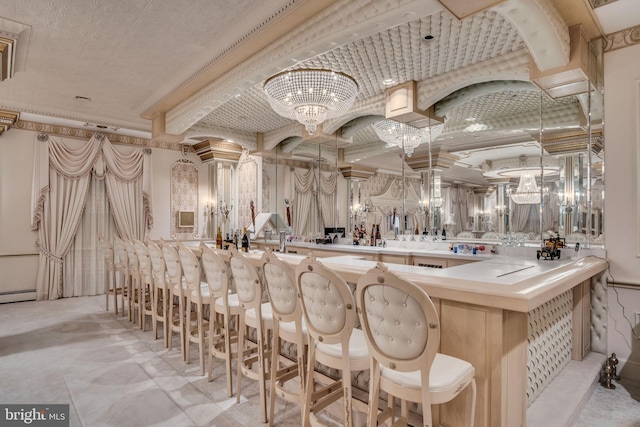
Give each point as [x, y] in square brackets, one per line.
[516, 319]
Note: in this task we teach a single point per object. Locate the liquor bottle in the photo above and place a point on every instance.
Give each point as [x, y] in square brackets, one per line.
[444, 234]
[416, 231]
[378, 236]
[235, 239]
[245, 240]
[373, 235]
[219, 239]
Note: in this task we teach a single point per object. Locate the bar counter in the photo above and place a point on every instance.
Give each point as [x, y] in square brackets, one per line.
[489, 307]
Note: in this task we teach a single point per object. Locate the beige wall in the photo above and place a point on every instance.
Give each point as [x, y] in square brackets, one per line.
[622, 115]
[18, 259]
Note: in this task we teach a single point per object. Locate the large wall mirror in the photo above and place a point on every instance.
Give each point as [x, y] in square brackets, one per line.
[511, 161]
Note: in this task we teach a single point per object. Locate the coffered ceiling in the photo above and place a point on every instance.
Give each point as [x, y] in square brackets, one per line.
[182, 71]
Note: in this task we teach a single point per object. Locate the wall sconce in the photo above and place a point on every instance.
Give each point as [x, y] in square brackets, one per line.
[210, 209]
[568, 203]
[225, 210]
[502, 211]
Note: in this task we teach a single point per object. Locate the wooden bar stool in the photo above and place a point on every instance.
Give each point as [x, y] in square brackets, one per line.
[329, 311]
[133, 291]
[161, 301]
[121, 261]
[177, 291]
[256, 314]
[402, 329]
[288, 326]
[145, 290]
[197, 296]
[110, 269]
[224, 307]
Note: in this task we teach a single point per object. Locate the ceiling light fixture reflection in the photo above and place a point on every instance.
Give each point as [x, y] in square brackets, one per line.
[476, 127]
[402, 135]
[310, 96]
[527, 192]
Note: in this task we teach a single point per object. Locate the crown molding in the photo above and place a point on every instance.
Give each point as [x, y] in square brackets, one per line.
[71, 132]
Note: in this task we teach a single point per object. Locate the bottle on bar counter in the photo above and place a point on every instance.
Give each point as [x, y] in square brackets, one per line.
[219, 239]
[245, 240]
[378, 236]
[373, 235]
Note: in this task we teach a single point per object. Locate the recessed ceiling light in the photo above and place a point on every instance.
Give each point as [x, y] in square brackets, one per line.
[82, 98]
[388, 82]
[428, 37]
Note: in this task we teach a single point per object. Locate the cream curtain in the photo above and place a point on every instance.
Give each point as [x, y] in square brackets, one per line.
[130, 204]
[328, 190]
[525, 218]
[61, 180]
[83, 265]
[305, 201]
[61, 199]
[460, 209]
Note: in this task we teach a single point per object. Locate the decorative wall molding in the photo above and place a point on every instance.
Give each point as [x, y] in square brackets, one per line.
[72, 132]
[621, 39]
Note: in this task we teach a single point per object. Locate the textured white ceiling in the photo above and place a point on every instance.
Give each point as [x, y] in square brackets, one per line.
[129, 55]
[124, 55]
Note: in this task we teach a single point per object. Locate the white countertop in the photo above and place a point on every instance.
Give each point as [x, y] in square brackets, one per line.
[427, 250]
[511, 283]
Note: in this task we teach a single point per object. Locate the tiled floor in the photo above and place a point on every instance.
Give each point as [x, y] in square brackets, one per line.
[112, 374]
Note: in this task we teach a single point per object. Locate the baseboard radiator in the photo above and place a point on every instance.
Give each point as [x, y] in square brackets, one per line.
[17, 296]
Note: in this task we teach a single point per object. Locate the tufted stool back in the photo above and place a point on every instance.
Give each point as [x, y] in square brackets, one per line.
[399, 320]
[215, 270]
[107, 252]
[281, 287]
[327, 303]
[158, 268]
[172, 263]
[246, 279]
[119, 253]
[190, 267]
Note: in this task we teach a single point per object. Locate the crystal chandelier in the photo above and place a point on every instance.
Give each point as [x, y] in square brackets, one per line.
[310, 96]
[527, 192]
[402, 135]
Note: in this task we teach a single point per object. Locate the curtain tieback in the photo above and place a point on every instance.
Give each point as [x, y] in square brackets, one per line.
[46, 252]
